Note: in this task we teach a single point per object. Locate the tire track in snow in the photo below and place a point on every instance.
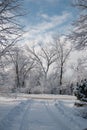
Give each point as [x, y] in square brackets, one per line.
[60, 125]
[12, 119]
[25, 122]
[65, 112]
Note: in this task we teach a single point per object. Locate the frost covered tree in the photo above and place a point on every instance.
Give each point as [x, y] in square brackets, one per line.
[79, 69]
[34, 81]
[22, 64]
[44, 59]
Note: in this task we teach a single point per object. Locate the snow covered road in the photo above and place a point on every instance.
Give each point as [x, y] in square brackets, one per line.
[41, 115]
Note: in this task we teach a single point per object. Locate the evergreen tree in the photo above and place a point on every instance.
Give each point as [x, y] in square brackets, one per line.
[81, 90]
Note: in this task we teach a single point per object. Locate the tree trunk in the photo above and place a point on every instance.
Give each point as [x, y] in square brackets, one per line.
[61, 77]
[23, 83]
[17, 77]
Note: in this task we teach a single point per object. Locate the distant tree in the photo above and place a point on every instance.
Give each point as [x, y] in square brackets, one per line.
[6, 77]
[79, 69]
[34, 81]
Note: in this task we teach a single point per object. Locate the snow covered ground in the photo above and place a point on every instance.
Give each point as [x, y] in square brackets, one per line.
[23, 113]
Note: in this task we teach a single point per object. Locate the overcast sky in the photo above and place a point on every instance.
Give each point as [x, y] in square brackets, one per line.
[47, 17]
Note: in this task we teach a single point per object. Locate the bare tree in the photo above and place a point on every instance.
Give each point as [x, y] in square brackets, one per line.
[62, 53]
[44, 59]
[79, 34]
[10, 29]
[82, 4]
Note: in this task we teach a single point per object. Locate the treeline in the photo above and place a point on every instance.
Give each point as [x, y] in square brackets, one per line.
[41, 67]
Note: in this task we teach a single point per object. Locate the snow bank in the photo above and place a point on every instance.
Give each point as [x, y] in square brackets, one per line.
[47, 96]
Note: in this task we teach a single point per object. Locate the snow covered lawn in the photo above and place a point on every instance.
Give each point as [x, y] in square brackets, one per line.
[41, 114]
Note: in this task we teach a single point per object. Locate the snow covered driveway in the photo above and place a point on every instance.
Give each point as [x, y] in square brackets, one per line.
[40, 115]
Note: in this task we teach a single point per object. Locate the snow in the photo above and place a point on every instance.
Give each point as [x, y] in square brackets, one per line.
[72, 114]
[45, 113]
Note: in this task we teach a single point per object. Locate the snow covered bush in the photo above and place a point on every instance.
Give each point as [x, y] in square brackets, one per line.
[81, 90]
